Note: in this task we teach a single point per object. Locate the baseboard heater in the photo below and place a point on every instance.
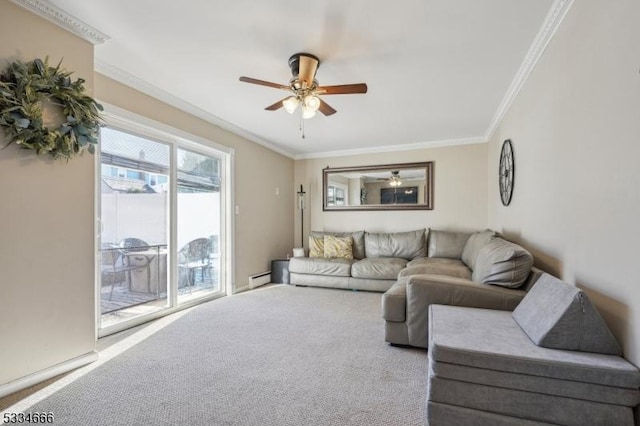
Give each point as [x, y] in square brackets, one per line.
[259, 279]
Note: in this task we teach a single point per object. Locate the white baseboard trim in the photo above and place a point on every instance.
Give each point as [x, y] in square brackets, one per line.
[48, 373]
[241, 289]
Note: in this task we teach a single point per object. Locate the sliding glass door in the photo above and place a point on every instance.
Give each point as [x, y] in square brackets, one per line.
[161, 227]
[199, 224]
[134, 223]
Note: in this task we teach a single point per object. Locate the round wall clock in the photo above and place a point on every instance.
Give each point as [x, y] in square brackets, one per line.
[506, 172]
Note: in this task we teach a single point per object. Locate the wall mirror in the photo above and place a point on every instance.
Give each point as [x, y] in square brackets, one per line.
[407, 186]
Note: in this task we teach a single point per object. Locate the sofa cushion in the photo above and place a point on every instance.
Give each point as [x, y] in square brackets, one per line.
[557, 315]
[473, 245]
[341, 247]
[432, 260]
[320, 266]
[385, 268]
[406, 245]
[358, 241]
[447, 244]
[437, 266]
[502, 263]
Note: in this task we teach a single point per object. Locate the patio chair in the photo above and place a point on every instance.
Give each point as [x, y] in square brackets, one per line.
[195, 255]
[115, 268]
[132, 261]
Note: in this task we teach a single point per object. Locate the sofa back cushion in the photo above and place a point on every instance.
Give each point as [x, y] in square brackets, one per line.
[557, 315]
[502, 263]
[406, 245]
[316, 238]
[473, 245]
[447, 244]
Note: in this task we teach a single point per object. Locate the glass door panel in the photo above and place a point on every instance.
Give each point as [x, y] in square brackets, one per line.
[199, 218]
[134, 223]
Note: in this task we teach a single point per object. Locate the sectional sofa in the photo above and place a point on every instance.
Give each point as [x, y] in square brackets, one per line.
[418, 268]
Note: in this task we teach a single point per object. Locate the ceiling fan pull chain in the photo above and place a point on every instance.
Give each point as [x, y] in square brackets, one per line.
[301, 128]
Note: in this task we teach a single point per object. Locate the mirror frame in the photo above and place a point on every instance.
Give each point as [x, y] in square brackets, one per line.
[428, 188]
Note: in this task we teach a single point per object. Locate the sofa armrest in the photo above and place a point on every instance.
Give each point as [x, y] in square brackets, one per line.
[427, 289]
[394, 302]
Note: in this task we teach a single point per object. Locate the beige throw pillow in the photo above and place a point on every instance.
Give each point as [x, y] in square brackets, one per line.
[316, 245]
[338, 247]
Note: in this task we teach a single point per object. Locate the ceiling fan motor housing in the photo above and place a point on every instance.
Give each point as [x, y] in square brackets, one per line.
[294, 65]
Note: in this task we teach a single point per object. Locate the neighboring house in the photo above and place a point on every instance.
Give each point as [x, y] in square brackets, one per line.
[124, 185]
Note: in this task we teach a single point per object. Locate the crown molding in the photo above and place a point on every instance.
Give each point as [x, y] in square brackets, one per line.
[549, 27]
[136, 83]
[393, 148]
[140, 85]
[61, 18]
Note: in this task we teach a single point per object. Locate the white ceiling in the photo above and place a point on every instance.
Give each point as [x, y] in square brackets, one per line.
[438, 71]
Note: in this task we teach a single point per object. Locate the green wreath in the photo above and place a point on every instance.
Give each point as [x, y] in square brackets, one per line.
[23, 89]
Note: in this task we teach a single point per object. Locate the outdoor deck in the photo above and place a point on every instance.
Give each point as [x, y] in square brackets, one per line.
[123, 303]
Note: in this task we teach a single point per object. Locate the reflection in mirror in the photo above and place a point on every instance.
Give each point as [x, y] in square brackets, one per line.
[406, 186]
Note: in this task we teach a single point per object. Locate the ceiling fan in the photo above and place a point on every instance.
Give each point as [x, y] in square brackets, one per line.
[393, 180]
[304, 88]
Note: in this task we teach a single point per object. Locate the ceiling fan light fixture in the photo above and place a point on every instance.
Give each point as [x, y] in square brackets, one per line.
[312, 102]
[290, 104]
[307, 112]
[394, 180]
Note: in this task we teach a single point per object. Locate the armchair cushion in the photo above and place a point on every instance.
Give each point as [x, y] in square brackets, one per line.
[557, 315]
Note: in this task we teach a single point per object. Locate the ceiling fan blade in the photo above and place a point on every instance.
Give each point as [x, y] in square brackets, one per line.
[343, 89]
[263, 83]
[276, 106]
[325, 108]
[307, 69]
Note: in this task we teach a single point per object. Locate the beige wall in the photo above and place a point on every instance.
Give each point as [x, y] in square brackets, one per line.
[263, 228]
[460, 192]
[46, 223]
[575, 129]
[47, 210]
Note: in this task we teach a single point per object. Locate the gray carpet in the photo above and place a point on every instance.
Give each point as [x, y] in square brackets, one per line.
[279, 356]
